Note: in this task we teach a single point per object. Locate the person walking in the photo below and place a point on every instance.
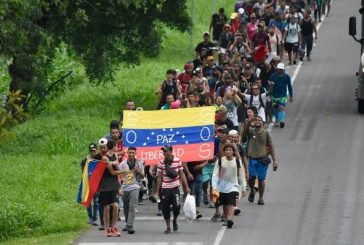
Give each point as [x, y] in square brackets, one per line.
[308, 27]
[228, 180]
[282, 82]
[109, 190]
[132, 171]
[258, 141]
[169, 178]
[92, 210]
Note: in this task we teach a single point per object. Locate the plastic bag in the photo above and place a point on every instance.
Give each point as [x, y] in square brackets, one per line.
[189, 208]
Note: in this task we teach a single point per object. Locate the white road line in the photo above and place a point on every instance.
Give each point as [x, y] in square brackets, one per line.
[143, 243]
[146, 218]
[219, 236]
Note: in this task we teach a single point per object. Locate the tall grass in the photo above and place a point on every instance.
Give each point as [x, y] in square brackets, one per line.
[39, 163]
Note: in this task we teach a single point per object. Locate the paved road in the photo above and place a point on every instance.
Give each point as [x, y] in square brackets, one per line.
[315, 197]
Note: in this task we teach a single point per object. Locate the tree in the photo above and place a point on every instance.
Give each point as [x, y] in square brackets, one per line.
[103, 33]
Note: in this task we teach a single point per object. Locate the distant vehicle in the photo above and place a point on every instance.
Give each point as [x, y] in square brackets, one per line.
[359, 91]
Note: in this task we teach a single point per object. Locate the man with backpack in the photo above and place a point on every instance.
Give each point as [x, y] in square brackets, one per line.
[228, 180]
[169, 178]
[292, 38]
[257, 100]
[281, 82]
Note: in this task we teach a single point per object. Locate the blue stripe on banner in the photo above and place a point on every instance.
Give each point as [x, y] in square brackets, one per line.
[173, 136]
[91, 167]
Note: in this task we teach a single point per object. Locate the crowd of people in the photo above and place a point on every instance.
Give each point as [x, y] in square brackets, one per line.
[238, 69]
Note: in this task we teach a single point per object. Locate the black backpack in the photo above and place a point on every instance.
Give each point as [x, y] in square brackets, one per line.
[260, 100]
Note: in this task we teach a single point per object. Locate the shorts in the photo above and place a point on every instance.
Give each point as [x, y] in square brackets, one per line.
[170, 197]
[257, 169]
[228, 198]
[279, 101]
[289, 47]
[208, 170]
[108, 197]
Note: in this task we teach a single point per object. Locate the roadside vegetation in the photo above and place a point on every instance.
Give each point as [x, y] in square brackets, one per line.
[40, 158]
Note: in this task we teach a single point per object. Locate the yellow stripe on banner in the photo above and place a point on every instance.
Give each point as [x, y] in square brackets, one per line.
[85, 184]
[172, 118]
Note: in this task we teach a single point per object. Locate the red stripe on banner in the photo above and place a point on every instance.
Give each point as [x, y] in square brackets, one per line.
[187, 152]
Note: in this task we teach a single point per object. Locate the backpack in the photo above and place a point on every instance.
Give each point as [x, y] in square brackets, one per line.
[260, 101]
[288, 25]
[237, 165]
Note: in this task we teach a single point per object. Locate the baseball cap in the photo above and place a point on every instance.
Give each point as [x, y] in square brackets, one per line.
[210, 57]
[241, 10]
[233, 132]
[92, 147]
[233, 16]
[206, 33]
[167, 148]
[103, 141]
[280, 66]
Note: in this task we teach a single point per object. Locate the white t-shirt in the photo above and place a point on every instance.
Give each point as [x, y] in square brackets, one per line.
[292, 32]
[256, 103]
[273, 44]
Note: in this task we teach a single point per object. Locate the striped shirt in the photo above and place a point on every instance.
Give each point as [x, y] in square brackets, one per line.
[167, 182]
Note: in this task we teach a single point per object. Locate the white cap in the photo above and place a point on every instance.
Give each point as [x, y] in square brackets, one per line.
[280, 66]
[241, 10]
[233, 132]
[103, 141]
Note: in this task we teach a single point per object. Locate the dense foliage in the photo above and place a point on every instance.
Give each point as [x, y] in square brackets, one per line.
[102, 33]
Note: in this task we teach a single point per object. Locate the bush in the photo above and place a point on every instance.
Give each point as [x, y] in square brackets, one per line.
[15, 217]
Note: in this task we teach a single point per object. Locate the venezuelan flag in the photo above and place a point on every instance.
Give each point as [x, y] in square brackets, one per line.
[190, 131]
[91, 177]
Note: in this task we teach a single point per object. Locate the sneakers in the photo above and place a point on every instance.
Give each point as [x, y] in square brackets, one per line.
[108, 232]
[91, 222]
[101, 227]
[211, 205]
[167, 231]
[251, 195]
[175, 225]
[223, 218]
[131, 230]
[205, 199]
[159, 212]
[198, 215]
[260, 202]
[140, 202]
[237, 211]
[216, 217]
[230, 224]
[115, 232]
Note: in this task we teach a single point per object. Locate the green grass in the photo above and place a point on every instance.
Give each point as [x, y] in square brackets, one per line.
[39, 162]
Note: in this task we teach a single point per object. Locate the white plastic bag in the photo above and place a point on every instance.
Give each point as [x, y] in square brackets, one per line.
[189, 208]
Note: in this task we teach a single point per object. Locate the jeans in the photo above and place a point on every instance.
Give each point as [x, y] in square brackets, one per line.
[93, 209]
[307, 41]
[196, 188]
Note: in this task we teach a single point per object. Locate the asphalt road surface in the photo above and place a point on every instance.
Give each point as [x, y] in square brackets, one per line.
[316, 196]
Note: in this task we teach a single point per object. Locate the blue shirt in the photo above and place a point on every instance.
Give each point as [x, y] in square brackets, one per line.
[281, 83]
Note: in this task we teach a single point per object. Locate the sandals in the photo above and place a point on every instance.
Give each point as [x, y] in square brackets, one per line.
[251, 196]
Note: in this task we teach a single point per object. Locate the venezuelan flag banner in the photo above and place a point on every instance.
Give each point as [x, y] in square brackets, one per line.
[91, 177]
[190, 131]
